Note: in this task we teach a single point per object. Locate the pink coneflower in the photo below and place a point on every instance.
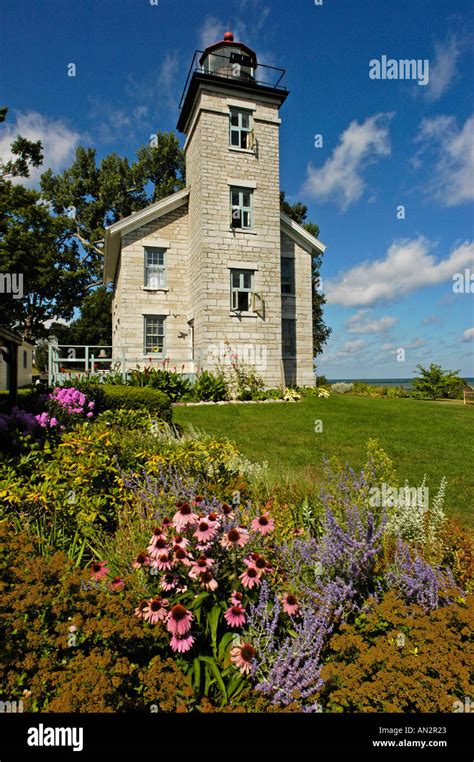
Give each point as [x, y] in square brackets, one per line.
[140, 609]
[235, 616]
[250, 577]
[162, 562]
[184, 516]
[141, 560]
[158, 546]
[227, 510]
[235, 538]
[99, 569]
[155, 610]
[208, 581]
[167, 522]
[236, 598]
[179, 620]
[117, 583]
[204, 531]
[290, 604]
[242, 656]
[198, 500]
[263, 524]
[157, 532]
[180, 541]
[169, 582]
[255, 559]
[182, 644]
[199, 566]
[181, 556]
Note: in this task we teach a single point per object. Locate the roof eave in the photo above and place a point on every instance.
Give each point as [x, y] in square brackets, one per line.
[298, 233]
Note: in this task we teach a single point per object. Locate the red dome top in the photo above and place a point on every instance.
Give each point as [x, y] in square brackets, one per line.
[229, 37]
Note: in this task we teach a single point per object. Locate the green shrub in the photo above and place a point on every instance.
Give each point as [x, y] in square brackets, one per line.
[268, 394]
[342, 388]
[174, 384]
[210, 387]
[136, 398]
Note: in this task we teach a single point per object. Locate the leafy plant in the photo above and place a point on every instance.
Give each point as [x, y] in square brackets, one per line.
[210, 386]
[434, 382]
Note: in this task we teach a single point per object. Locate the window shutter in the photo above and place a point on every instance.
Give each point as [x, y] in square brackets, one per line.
[251, 140]
[258, 304]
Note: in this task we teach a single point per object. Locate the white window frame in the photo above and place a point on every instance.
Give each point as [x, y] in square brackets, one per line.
[242, 132]
[244, 210]
[241, 288]
[150, 352]
[157, 269]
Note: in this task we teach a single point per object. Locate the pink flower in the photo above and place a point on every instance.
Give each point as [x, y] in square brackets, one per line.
[227, 510]
[181, 541]
[290, 604]
[235, 616]
[141, 560]
[179, 620]
[139, 611]
[250, 577]
[162, 562]
[184, 516]
[117, 583]
[91, 405]
[204, 531]
[99, 569]
[54, 421]
[255, 559]
[235, 538]
[213, 518]
[158, 546]
[199, 566]
[242, 656]
[207, 580]
[182, 644]
[263, 524]
[90, 415]
[236, 598]
[169, 582]
[155, 610]
[181, 556]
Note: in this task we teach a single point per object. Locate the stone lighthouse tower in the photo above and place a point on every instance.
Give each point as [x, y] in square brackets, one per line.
[230, 116]
[216, 268]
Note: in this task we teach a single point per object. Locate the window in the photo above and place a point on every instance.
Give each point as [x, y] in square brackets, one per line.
[241, 288]
[288, 338]
[241, 200]
[287, 275]
[25, 359]
[154, 335]
[155, 268]
[240, 129]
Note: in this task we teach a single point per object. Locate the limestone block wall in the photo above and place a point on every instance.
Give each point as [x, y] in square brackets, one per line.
[132, 301]
[299, 308]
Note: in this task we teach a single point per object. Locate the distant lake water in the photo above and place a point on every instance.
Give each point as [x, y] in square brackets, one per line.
[406, 383]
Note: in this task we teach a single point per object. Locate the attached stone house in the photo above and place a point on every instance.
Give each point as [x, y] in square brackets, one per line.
[217, 267]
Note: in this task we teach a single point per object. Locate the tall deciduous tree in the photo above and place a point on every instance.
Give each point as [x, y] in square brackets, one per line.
[321, 332]
[436, 382]
[95, 195]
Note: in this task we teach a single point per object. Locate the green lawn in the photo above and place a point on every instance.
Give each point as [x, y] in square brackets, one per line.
[432, 438]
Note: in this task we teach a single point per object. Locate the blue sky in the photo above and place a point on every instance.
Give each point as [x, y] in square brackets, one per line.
[386, 143]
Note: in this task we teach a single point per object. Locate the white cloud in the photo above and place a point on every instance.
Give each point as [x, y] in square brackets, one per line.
[468, 334]
[347, 351]
[443, 69]
[211, 31]
[430, 320]
[360, 323]
[341, 177]
[59, 142]
[406, 267]
[452, 150]
[388, 347]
